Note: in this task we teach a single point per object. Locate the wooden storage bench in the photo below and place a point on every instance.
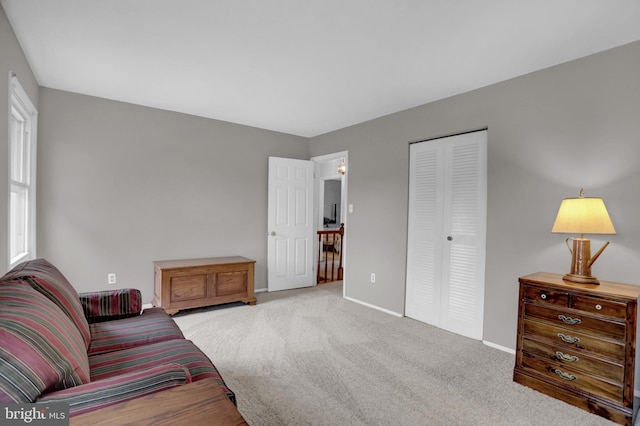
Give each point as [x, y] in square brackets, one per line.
[192, 283]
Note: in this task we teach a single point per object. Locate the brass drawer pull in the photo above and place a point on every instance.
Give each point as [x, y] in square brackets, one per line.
[568, 339]
[569, 320]
[565, 376]
[568, 358]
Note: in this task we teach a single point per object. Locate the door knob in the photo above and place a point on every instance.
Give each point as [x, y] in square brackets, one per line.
[449, 238]
[273, 233]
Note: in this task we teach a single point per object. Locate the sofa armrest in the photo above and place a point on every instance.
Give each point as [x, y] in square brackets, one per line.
[111, 304]
[106, 392]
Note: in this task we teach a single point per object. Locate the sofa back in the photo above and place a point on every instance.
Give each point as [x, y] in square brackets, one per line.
[49, 281]
[41, 349]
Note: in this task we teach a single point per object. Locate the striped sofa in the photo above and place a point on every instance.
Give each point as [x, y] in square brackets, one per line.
[88, 350]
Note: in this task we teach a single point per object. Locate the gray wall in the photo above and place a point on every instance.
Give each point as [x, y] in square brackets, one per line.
[550, 133]
[11, 59]
[122, 185]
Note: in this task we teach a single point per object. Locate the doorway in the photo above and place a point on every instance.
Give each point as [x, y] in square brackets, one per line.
[331, 205]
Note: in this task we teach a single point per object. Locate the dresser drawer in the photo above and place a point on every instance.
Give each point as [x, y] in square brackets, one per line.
[577, 321]
[599, 306]
[552, 297]
[613, 350]
[567, 358]
[573, 378]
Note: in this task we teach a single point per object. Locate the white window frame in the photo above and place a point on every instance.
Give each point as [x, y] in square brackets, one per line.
[23, 126]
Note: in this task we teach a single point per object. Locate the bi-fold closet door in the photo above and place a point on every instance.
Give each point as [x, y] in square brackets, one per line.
[447, 232]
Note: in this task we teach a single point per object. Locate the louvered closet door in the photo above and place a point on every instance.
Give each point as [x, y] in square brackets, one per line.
[424, 259]
[446, 238]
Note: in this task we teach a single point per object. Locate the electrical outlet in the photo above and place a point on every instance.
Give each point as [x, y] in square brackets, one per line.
[111, 278]
[373, 277]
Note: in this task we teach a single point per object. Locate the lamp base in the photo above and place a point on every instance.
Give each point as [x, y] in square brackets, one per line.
[580, 271]
[583, 279]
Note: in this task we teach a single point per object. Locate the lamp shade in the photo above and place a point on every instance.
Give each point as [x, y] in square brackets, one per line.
[583, 216]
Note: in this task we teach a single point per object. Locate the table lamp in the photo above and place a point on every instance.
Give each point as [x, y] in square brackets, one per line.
[582, 216]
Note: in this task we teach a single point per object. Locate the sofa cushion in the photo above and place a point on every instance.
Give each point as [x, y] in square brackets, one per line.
[177, 351]
[40, 348]
[107, 305]
[48, 280]
[103, 393]
[154, 325]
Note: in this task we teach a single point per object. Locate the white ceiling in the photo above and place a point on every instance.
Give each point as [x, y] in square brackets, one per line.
[305, 67]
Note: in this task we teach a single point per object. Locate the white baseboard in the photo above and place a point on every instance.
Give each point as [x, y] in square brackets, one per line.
[502, 348]
[147, 306]
[260, 290]
[368, 305]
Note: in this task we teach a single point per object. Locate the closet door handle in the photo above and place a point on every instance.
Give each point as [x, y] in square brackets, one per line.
[449, 238]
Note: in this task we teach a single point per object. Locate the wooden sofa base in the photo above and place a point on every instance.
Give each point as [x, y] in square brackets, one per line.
[194, 404]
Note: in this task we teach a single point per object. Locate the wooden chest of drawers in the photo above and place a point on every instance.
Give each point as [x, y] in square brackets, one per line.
[576, 342]
[192, 283]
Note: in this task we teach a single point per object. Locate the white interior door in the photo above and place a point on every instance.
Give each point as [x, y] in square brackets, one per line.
[290, 224]
[447, 233]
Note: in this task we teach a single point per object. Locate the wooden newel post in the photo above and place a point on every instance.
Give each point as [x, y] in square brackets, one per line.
[340, 269]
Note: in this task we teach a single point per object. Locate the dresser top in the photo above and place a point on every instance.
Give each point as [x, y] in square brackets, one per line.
[604, 288]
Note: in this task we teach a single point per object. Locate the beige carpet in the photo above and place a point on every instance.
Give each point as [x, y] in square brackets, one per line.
[309, 357]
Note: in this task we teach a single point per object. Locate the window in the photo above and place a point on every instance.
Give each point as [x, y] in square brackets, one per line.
[23, 120]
